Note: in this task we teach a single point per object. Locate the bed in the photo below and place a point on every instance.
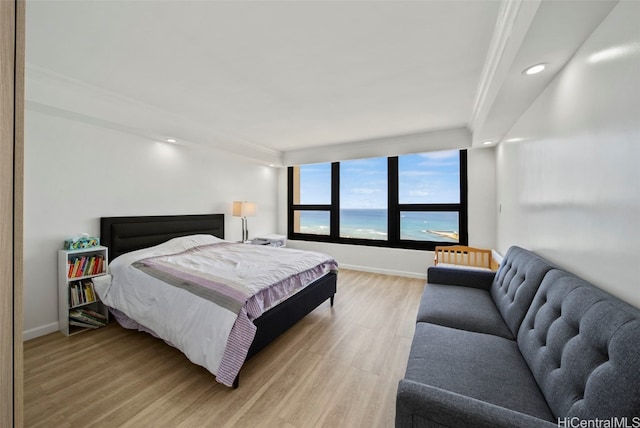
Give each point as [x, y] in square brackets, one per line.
[465, 257]
[130, 236]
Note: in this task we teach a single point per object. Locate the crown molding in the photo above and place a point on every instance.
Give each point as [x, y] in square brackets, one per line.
[514, 19]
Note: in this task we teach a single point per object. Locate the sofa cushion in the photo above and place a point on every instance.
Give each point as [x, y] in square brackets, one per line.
[424, 406]
[582, 346]
[465, 308]
[476, 365]
[460, 276]
[515, 284]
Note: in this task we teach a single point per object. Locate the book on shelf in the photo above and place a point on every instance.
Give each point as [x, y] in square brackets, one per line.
[82, 316]
[85, 266]
[90, 265]
[89, 293]
[73, 294]
[93, 319]
[81, 324]
[95, 314]
[82, 292]
[76, 266]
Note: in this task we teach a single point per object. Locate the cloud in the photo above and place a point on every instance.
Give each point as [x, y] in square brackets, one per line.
[446, 154]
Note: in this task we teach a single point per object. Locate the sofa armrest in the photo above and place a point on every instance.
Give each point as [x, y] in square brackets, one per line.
[463, 277]
[426, 406]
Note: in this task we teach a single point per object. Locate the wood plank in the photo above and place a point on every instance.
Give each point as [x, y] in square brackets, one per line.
[18, 217]
[339, 366]
[11, 207]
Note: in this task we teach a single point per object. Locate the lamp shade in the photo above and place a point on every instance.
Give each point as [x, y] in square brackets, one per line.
[244, 209]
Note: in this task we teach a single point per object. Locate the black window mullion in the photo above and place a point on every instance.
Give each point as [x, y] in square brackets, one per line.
[463, 213]
[303, 207]
[429, 207]
[393, 211]
[334, 217]
[290, 206]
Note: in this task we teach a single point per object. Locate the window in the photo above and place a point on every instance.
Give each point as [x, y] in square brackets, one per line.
[315, 184]
[409, 201]
[426, 181]
[363, 199]
[312, 190]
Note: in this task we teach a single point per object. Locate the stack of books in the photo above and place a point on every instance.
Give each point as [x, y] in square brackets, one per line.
[81, 292]
[85, 266]
[87, 318]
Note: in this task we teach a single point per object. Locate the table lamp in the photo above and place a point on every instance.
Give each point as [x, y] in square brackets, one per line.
[244, 210]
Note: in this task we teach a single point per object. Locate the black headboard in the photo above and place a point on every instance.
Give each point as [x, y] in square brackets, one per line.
[124, 234]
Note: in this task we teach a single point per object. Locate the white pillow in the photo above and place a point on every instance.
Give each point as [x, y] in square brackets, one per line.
[171, 246]
[185, 242]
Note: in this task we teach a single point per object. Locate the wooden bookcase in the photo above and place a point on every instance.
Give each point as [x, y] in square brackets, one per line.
[76, 293]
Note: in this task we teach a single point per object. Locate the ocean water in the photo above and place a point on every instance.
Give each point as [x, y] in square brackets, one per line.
[372, 224]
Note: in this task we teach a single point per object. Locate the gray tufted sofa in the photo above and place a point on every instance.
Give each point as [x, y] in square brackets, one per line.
[529, 346]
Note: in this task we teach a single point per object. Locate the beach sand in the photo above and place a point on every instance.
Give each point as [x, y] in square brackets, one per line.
[445, 234]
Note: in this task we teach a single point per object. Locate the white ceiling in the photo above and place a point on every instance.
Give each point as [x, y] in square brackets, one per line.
[268, 78]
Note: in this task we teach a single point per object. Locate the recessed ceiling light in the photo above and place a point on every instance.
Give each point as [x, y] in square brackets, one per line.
[535, 69]
[171, 140]
[486, 143]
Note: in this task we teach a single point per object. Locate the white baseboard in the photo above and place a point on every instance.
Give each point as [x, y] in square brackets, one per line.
[39, 331]
[385, 271]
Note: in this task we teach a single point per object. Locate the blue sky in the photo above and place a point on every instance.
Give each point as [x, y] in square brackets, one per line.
[430, 178]
[315, 184]
[363, 183]
[424, 178]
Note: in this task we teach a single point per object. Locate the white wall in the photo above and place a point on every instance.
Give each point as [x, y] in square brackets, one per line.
[413, 263]
[571, 190]
[76, 173]
[481, 175]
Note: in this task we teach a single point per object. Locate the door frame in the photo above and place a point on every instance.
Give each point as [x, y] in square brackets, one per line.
[12, 48]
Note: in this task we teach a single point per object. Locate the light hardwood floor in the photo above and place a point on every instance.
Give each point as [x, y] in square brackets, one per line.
[338, 367]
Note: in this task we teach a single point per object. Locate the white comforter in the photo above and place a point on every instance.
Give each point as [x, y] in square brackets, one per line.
[196, 326]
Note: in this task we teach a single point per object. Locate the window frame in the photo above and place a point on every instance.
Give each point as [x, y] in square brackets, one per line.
[394, 208]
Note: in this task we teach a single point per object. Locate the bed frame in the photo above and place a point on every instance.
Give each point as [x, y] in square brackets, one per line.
[124, 234]
[462, 255]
